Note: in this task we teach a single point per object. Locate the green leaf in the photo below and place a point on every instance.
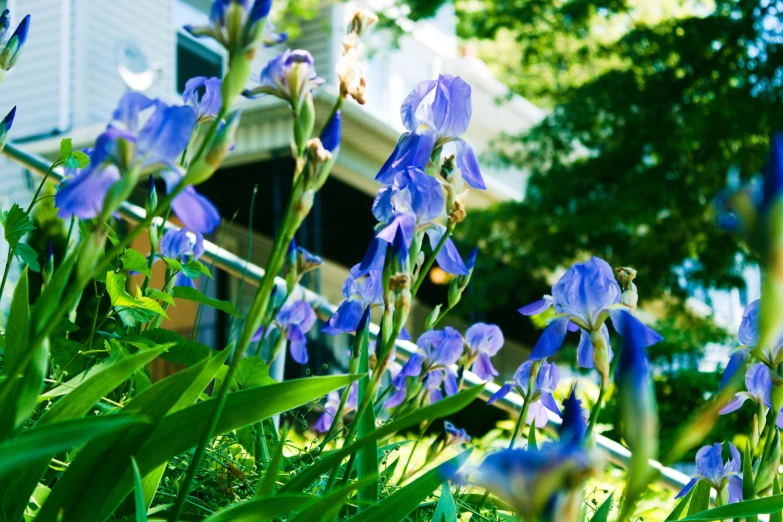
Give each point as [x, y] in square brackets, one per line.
[133, 310]
[602, 513]
[84, 487]
[81, 158]
[36, 443]
[27, 380]
[777, 516]
[132, 260]
[182, 351]
[446, 509]
[159, 295]
[329, 460]
[191, 294]
[747, 476]
[82, 396]
[402, 502]
[182, 430]
[680, 509]
[138, 493]
[744, 509]
[259, 510]
[700, 500]
[252, 372]
[194, 269]
[173, 264]
[66, 148]
[366, 457]
[28, 256]
[327, 507]
[267, 484]
[16, 223]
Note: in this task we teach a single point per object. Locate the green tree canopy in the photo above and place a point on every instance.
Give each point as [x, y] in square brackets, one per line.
[650, 105]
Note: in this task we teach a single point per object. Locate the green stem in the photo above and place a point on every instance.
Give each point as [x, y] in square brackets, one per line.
[431, 260]
[255, 317]
[597, 408]
[521, 420]
[413, 450]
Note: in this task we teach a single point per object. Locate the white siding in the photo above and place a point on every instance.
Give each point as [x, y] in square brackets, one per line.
[145, 23]
[39, 84]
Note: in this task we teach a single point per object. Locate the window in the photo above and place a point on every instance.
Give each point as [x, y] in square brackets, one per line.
[195, 59]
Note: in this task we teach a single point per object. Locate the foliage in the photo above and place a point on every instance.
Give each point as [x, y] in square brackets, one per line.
[86, 434]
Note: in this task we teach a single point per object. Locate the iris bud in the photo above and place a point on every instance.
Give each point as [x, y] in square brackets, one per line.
[5, 126]
[304, 121]
[432, 318]
[13, 48]
[770, 461]
[152, 195]
[203, 168]
[236, 78]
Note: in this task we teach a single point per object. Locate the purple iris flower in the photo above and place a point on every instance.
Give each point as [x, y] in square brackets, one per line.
[289, 76]
[184, 246]
[438, 351]
[326, 419]
[409, 205]
[203, 94]
[541, 398]
[361, 289]
[294, 321]
[483, 341]
[748, 333]
[144, 134]
[541, 484]
[435, 113]
[455, 435]
[758, 382]
[710, 467]
[584, 298]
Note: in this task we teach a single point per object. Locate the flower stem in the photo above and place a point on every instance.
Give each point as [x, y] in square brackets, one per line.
[431, 260]
[521, 420]
[597, 407]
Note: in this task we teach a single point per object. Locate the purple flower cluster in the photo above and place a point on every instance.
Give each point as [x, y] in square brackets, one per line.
[184, 246]
[144, 135]
[439, 351]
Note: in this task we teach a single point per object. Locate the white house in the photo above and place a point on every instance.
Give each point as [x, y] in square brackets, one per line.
[82, 55]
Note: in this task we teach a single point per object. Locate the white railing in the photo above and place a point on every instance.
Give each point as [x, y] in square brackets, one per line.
[253, 274]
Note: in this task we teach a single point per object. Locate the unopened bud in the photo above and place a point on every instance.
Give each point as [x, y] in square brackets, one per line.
[432, 319]
[203, 168]
[152, 195]
[5, 126]
[304, 121]
[351, 75]
[13, 48]
[601, 355]
[237, 76]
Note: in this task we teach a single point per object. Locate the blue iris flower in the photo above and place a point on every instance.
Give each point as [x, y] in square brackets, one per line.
[362, 289]
[438, 351]
[541, 398]
[288, 76]
[294, 320]
[203, 94]
[543, 484]
[482, 341]
[144, 134]
[710, 467]
[184, 246]
[435, 113]
[584, 298]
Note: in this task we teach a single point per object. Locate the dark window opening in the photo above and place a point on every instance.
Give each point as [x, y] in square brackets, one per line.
[195, 59]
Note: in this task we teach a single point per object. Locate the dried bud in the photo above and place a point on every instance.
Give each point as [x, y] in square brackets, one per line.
[351, 76]
[361, 22]
[625, 276]
[457, 211]
[316, 152]
[399, 282]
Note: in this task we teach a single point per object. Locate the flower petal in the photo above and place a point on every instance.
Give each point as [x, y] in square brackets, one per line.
[502, 392]
[468, 165]
[411, 103]
[536, 307]
[551, 339]
[483, 367]
[345, 319]
[83, 195]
